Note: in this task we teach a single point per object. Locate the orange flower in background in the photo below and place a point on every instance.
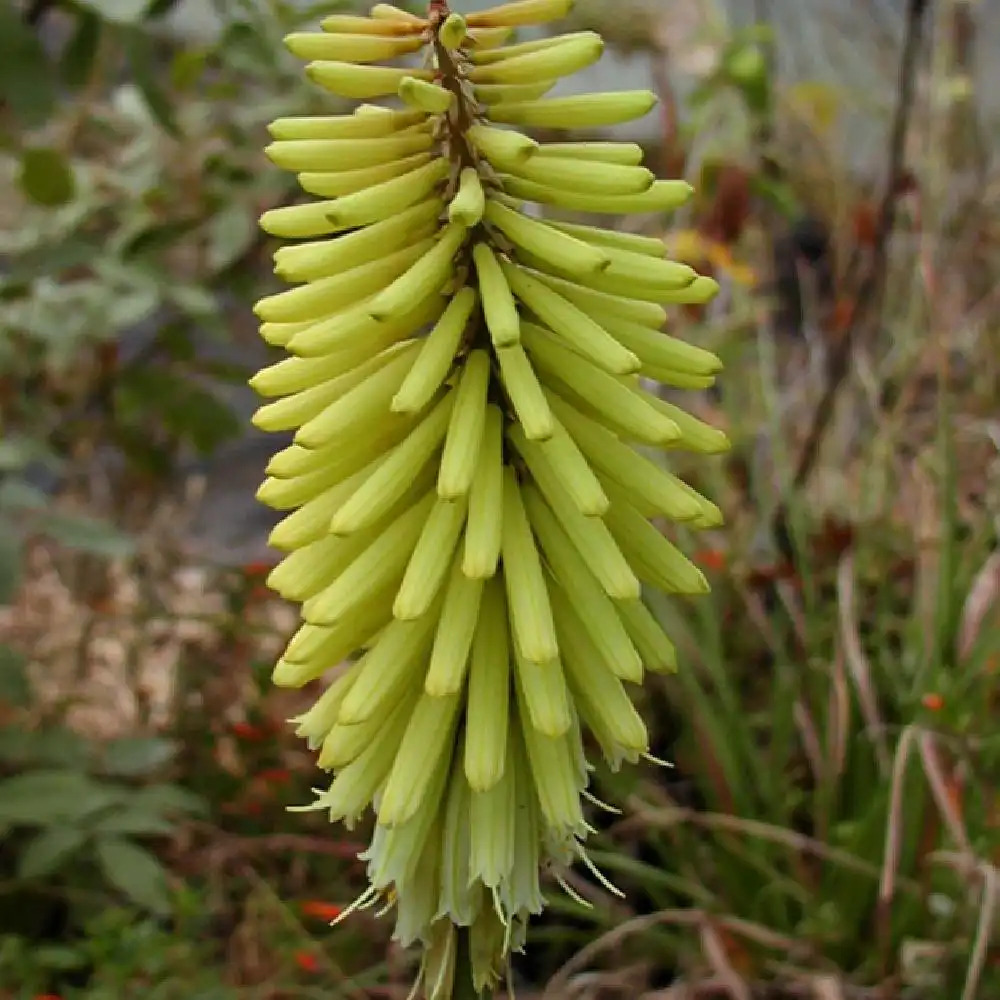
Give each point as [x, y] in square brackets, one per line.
[932, 701]
[248, 731]
[319, 910]
[307, 961]
[257, 570]
[713, 560]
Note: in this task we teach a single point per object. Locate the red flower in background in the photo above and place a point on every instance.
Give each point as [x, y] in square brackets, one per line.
[307, 961]
[713, 560]
[249, 732]
[932, 701]
[321, 911]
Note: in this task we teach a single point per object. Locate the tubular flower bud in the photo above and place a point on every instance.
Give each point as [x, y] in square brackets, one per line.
[470, 506]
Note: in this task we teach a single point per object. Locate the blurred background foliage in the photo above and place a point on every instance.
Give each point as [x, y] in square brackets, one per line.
[831, 828]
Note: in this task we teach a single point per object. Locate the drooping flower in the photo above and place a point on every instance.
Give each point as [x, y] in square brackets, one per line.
[467, 503]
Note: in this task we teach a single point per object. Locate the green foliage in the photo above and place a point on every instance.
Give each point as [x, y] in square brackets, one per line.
[65, 807]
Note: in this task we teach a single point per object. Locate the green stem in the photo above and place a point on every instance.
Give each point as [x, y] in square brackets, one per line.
[464, 988]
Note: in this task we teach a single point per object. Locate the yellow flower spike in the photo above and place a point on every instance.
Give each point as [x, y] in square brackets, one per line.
[563, 57]
[390, 12]
[453, 640]
[344, 126]
[581, 111]
[597, 692]
[546, 241]
[387, 669]
[396, 851]
[459, 894]
[654, 646]
[559, 366]
[426, 746]
[349, 47]
[437, 354]
[348, 80]
[655, 559]
[453, 31]
[324, 258]
[525, 394]
[393, 477]
[573, 326]
[428, 97]
[520, 13]
[468, 493]
[602, 305]
[300, 408]
[311, 522]
[499, 307]
[649, 245]
[429, 563]
[493, 814]
[590, 535]
[356, 785]
[317, 649]
[600, 615]
[553, 771]
[483, 533]
[465, 429]
[339, 183]
[489, 693]
[469, 203]
[314, 725]
[381, 564]
[530, 615]
[505, 93]
[660, 493]
[400, 23]
[546, 700]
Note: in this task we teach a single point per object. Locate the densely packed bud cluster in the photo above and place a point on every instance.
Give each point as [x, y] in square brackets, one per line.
[467, 503]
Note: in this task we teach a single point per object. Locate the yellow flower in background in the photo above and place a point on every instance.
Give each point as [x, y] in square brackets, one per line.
[466, 503]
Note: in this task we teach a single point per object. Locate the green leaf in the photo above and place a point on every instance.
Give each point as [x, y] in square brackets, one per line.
[59, 746]
[168, 800]
[193, 414]
[17, 452]
[15, 689]
[78, 57]
[27, 83]
[54, 956]
[18, 495]
[152, 239]
[53, 257]
[134, 823]
[142, 58]
[230, 234]
[136, 755]
[117, 11]
[46, 853]
[88, 534]
[187, 68]
[135, 872]
[16, 746]
[41, 797]
[46, 177]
